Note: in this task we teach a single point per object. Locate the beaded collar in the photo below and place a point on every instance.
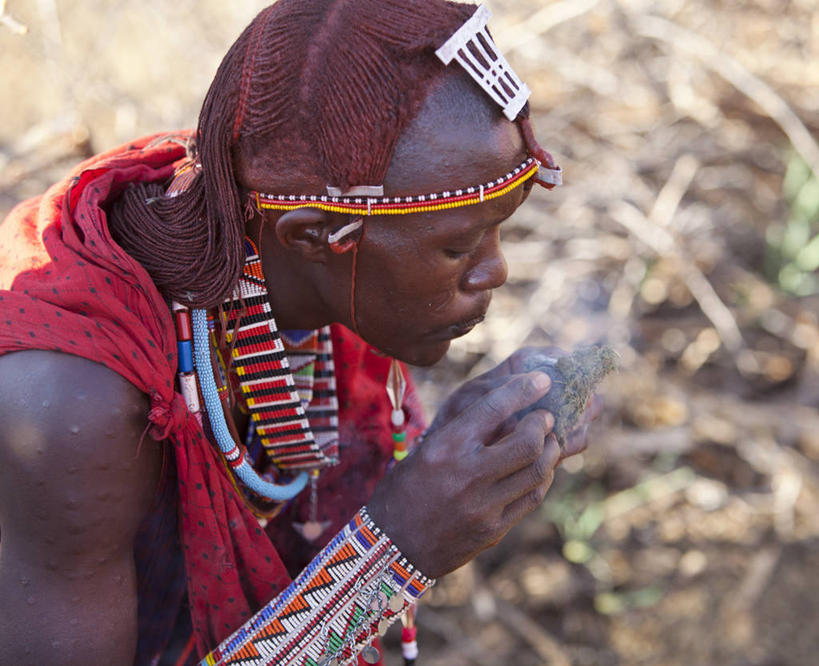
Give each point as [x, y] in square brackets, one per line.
[294, 410]
[370, 200]
[290, 393]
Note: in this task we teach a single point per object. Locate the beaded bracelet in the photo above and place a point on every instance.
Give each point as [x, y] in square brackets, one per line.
[357, 586]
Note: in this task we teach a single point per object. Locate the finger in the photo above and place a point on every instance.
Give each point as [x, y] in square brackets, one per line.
[526, 358]
[518, 363]
[508, 426]
[533, 497]
[577, 441]
[530, 476]
[520, 448]
[484, 417]
[498, 375]
[594, 408]
[504, 429]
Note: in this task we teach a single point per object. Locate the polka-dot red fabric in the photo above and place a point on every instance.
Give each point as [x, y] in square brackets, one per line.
[66, 286]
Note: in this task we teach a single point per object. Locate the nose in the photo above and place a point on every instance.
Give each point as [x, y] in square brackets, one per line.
[489, 270]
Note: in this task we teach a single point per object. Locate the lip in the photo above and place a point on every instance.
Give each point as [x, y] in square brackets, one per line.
[463, 327]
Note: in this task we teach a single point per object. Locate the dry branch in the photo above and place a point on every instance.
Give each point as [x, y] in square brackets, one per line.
[662, 242]
[669, 198]
[439, 624]
[734, 72]
[520, 35]
[531, 632]
[10, 22]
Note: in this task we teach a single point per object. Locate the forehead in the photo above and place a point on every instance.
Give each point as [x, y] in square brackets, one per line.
[458, 139]
[466, 168]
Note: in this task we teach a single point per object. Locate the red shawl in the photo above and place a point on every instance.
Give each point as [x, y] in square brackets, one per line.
[66, 286]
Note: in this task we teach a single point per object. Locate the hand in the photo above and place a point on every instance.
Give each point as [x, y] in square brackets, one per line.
[475, 388]
[465, 486]
[471, 391]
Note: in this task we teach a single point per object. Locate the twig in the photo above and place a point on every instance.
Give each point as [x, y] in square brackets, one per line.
[648, 491]
[43, 146]
[669, 198]
[438, 623]
[518, 36]
[662, 243]
[735, 73]
[573, 68]
[662, 214]
[546, 647]
[10, 22]
[757, 576]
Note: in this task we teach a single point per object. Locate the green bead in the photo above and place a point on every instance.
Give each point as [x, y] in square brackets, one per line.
[399, 437]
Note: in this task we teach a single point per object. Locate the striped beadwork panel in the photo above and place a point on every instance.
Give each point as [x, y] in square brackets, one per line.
[333, 609]
[261, 364]
[311, 362]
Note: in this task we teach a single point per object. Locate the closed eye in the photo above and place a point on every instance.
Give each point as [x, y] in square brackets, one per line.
[456, 254]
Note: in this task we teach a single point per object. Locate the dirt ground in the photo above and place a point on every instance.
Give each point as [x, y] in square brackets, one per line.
[687, 236]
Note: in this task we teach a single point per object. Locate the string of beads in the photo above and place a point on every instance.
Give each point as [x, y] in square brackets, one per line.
[401, 205]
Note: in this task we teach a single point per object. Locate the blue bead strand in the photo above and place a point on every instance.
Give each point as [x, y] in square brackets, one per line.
[213, 405]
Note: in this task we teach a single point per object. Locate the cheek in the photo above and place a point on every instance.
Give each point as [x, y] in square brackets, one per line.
[442, 299]
[403, 278]
[429, 289]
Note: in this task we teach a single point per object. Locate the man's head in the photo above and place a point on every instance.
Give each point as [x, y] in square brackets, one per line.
[358, 97]
[423, 278]
[434, 272]
[346, 93]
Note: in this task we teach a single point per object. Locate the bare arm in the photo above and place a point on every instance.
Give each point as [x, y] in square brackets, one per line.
[73, 490]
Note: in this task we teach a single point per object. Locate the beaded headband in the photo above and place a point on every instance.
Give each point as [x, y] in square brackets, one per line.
[368, 205]
[472, 47]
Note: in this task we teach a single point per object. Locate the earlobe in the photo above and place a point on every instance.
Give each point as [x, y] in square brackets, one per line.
[344, 238]
[306, 231]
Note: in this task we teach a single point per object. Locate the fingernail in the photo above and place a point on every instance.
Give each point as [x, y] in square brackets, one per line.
[541, 381]
[550, 420]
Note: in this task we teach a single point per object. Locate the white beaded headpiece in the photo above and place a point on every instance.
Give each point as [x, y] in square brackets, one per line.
[474, 49]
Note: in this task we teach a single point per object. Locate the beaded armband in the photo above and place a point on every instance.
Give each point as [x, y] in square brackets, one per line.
[353, 590]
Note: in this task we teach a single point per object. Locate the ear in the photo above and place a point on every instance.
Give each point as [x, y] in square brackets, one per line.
[305, 231]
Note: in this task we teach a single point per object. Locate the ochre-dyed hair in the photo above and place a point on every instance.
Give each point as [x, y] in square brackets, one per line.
[330, 83]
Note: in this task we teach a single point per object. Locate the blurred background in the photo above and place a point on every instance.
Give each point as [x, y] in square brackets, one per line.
[687, 236]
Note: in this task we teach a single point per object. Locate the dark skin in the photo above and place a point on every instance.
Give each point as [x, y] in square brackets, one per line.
[73, 489]
[74, 482]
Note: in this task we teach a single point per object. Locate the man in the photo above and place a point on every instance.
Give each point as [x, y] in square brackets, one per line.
[345, 181]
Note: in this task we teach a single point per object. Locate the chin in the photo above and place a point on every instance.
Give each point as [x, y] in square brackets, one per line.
[422, 355]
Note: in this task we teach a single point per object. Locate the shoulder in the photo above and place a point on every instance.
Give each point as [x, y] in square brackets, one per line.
[66, 397]
[71, 465]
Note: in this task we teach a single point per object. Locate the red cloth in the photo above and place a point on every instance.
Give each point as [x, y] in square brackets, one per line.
[66, 286]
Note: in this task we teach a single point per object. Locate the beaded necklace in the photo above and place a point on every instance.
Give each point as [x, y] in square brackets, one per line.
[289, 390]
[298, 430]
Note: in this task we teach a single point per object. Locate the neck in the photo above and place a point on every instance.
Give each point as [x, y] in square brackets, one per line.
[291, 284]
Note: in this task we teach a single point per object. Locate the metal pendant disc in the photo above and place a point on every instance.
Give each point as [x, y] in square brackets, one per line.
[396, 602]
[370, 655]
[311, 530]
[379, 602]
[383, 625]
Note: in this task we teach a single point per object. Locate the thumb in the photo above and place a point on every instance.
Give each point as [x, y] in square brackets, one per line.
[484, 417]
